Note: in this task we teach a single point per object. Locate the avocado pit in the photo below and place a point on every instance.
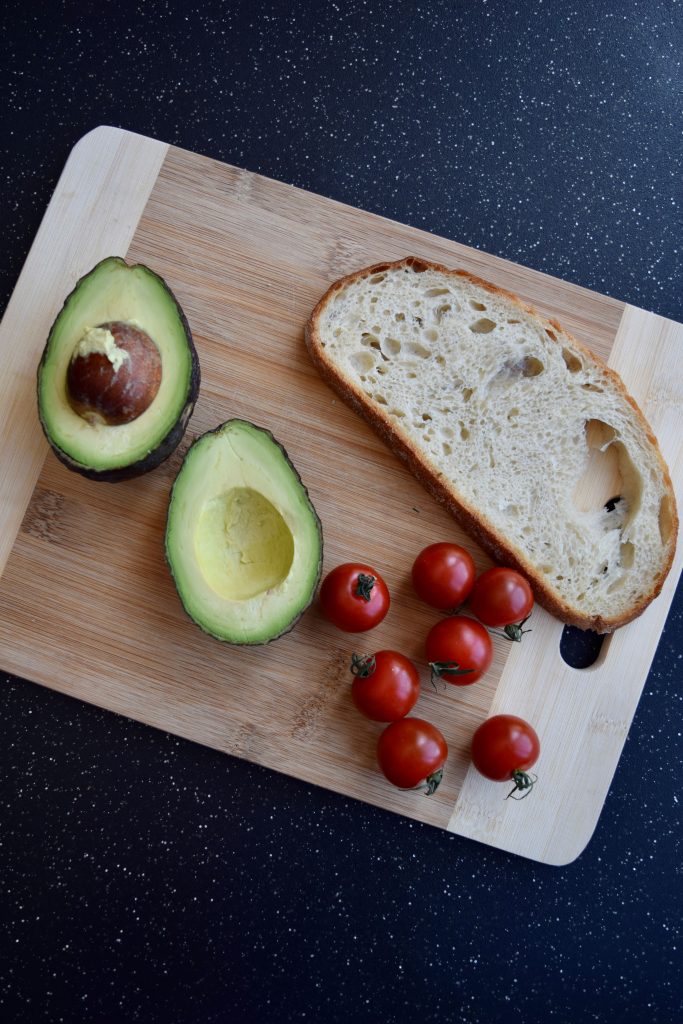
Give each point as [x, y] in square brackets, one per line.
[114, 374]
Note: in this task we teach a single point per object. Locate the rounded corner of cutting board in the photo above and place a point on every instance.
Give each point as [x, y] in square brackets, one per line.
[103, 135]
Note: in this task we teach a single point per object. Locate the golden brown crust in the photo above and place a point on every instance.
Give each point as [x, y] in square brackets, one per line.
[432, 478]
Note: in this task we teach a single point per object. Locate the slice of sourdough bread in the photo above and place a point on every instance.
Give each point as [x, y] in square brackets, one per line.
[499, 413]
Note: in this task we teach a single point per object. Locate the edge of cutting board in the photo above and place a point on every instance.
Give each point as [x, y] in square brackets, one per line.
[583, 722]
[94, 212]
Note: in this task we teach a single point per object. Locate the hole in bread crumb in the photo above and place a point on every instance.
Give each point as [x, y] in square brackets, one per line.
[369, 339]
[441, 312]
[376, 278]
[513, 414]
[573, 362]
[666, 519]
[373, 342]
[627, 554]
[416, 349]
[616, 584]
[337, 333]
[362, 362]
[608, 472]
[514, 321]
[411, 376]
[492, 461]
[392, 346]
[400, 317]
[432, 292]
[483, 326]
[531, 367]
[477, 305]
[426, 417]
[528, 366]
[464, 432]
[467, 394]
[551, 334]
[381, 400]
[593, 387]
[431, 334]
[441, 360]
[447, 449]
[398, 413]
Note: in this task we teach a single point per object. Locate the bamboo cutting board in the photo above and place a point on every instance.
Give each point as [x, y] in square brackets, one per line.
[87, 606]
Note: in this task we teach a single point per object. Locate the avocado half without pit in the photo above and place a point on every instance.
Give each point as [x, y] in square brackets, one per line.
[119, 374]
[243, 540]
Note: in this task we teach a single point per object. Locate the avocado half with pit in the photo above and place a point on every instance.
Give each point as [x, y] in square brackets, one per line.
[243, 540]
[119, 374]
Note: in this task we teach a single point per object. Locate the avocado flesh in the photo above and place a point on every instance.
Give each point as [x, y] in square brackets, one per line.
[243, 540]
[114, 290]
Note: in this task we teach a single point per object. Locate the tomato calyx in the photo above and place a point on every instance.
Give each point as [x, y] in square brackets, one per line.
[514, 632]
[363, 665]
[431, 783]
[364, 585]
[523, 783]
[439, 669]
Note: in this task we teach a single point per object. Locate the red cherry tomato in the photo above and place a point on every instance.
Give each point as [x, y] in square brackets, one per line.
[386, 685]
[443, 575]
[354, 597]
[503, 748]
[412, 752]
[462, 645]
[501, 597]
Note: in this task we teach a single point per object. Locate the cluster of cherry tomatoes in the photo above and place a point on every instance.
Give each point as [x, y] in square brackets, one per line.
[386, 685]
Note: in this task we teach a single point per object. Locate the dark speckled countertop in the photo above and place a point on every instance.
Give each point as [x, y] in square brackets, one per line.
[143, 878]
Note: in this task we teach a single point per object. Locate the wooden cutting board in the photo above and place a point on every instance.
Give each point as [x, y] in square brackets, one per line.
[86, 603]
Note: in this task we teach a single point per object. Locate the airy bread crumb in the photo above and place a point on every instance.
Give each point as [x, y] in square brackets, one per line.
[500, 412]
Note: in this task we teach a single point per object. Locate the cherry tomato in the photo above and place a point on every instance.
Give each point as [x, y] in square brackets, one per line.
[412, 752]
[462, 645]
[386, 685]
[354, 597]
[504, 747]
[501, 597]
[443, 575]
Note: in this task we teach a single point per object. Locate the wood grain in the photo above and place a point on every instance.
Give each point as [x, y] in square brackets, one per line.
[87, 605]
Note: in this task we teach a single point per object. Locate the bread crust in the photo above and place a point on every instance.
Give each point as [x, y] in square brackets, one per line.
[470, 518]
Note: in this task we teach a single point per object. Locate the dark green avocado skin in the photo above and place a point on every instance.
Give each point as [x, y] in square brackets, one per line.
[292, 623]
[169, 443]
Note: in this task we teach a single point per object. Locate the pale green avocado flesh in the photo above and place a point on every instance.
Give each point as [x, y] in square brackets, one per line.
[116, 291]
[243, 540]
